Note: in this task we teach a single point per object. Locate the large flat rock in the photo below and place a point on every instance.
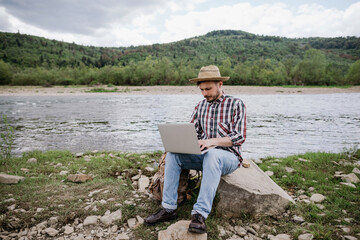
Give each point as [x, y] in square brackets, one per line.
[251, 191]
[10, 179]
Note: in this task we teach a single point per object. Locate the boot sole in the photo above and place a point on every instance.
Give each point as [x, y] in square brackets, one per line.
[161, 220]
[196, 230]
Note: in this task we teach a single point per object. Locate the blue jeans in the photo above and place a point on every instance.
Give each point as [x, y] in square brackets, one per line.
[213, 164]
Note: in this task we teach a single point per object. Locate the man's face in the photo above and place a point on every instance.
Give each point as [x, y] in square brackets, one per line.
[211, 90]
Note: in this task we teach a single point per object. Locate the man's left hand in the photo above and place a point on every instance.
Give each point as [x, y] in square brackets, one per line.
[214, 142]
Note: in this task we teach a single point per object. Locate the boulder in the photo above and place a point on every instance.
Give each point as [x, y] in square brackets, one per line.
[10, 179]
[179, 231]
[250, 190]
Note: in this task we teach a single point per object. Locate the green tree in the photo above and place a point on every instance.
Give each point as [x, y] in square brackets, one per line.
[5, 73]
[242, 72]
[225, 67]
[311, 70]
[353, 75]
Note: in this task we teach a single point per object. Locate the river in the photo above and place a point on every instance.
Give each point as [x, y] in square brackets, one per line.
[278, 125]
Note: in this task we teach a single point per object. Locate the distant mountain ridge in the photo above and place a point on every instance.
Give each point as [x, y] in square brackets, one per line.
[249, 58]
[31, 51]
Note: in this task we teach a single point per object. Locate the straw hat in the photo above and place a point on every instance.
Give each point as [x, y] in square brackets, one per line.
[209, 73]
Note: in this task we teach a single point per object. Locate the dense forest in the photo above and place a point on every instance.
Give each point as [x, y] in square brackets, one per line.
[247, 58]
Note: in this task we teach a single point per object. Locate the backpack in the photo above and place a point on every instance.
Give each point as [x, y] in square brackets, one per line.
[157, 182]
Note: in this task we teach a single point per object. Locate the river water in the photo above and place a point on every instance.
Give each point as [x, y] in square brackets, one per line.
[278, 125]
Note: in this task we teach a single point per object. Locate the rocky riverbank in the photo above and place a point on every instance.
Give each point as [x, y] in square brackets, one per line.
[104, 195]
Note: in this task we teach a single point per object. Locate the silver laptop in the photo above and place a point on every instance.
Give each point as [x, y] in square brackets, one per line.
[180, 138]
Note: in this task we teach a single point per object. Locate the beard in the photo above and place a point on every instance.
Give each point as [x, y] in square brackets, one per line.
[214, 97]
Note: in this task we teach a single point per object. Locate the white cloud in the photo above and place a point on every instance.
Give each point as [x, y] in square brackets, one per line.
[5, 24]
[139, 22]
[267, 19]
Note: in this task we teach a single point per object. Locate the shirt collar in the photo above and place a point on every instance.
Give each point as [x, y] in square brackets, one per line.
[219, 100]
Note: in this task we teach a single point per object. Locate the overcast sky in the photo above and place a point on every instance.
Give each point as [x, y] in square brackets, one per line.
[115, 23]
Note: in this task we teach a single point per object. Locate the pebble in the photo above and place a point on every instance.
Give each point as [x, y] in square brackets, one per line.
[114, 228]
[32, 160]
[53, 220]
[356, 171]
[51, 232]
[221, 230]
[240, 231]
[136, 177]
[289, 169]
[68, 230]
[251, 230]
[348, 184]
[78, 155]
[317, 198]
[143, 183]
[149, 169]
[139, 219]
[258, 161]
[269, 173]
[131, 222]
[62, 173]
[90, 220]
[95, 192]
[350, 178]
[347, 237]
[122, 236]
[298, 219]
[302, 160]
[11, 207]
[280, 237]
[306, 236]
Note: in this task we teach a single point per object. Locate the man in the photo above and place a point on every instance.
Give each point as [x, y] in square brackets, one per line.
[220, 122]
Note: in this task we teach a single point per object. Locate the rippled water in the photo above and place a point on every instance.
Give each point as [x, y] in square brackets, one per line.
[278, 125]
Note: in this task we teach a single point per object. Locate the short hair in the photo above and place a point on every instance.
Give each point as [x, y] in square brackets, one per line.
[215, 81]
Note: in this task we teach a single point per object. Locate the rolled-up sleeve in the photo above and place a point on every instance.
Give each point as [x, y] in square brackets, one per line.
[238, 125]
[195, 120]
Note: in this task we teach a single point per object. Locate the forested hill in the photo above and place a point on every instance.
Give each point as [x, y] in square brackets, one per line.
[248, 58]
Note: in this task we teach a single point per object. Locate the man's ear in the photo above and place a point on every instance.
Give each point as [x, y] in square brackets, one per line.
[220, 83]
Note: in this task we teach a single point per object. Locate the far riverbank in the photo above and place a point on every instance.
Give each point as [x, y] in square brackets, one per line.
[163, 90]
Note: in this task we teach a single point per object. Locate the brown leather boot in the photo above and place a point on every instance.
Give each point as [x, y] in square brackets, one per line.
[197, 224]
[160, 216]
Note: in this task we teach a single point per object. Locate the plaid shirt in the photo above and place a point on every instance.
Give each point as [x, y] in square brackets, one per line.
[225, 117]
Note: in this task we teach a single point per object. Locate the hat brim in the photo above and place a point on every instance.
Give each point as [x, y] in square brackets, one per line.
[195, 80]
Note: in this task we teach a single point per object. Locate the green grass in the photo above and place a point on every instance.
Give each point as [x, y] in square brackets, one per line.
[101, 90]
[43, 187]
